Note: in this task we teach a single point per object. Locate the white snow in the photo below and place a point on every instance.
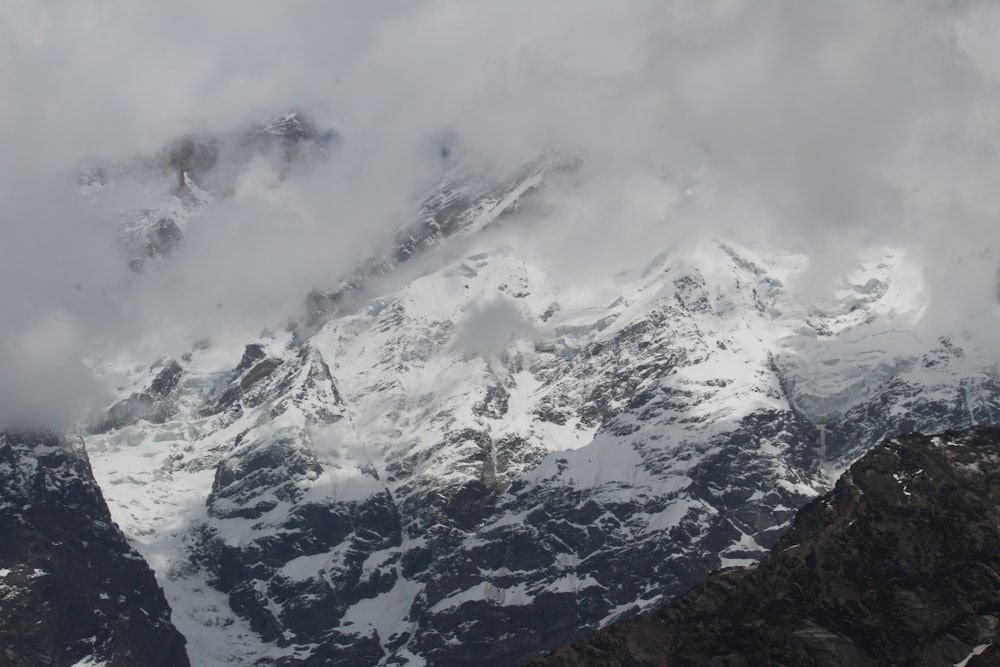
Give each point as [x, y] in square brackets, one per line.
[89, 661]
[978, 650]
[720, 319]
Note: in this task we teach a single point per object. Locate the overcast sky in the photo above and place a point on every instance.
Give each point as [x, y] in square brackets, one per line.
[826, 127]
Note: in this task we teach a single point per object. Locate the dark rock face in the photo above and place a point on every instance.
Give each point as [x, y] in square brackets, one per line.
[70, 585]
[483, 587]
[155, 403]
[192, 155]
[903, 406]
[899, 564]
[292, 137]
[289, 137]
[262, 484]
[152, 241]
[196, 169]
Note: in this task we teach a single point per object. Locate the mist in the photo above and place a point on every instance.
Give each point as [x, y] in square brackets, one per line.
[825, 128]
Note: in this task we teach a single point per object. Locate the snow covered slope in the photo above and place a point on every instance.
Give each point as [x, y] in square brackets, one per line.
[471, 460]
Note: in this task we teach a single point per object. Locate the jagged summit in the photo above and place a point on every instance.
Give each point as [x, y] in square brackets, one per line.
[192, 171]
[389, 487]
[466, 202]
[455, 455]
[293, 126]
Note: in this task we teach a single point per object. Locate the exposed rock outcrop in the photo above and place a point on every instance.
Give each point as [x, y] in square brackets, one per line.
[71, 587]
[898, 565]
[154, 403]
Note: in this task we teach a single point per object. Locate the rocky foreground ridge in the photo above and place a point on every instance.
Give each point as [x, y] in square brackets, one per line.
[898, 565]
[72, 590]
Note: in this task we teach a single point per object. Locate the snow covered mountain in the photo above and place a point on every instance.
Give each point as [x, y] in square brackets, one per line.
[463, 458]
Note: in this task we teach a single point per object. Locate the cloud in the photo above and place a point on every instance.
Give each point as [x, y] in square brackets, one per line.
[824, 127]
[487, 328]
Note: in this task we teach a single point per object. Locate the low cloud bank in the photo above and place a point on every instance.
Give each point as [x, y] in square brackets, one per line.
[823, 127]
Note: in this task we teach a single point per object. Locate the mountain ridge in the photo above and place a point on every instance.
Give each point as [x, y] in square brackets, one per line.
[464, 457]
[72, 590]
[896, 565]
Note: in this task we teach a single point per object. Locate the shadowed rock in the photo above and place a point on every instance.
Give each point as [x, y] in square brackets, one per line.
[898, 565]
[72, 590]
[154, 404]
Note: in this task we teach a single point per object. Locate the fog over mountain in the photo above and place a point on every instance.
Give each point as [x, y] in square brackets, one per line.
[828, 128]
[447, 332]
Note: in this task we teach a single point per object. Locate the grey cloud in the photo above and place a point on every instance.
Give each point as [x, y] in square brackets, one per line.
[487, 328]
[825, 126]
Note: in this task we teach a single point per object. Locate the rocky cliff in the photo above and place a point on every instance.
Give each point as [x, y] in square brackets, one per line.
[898, 565]
[72, 590]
